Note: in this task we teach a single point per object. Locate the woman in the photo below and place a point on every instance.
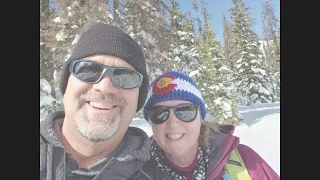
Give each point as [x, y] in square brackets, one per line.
[184, 146]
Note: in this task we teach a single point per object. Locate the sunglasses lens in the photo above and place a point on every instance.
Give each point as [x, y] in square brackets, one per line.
[125, 78]
[87, 71]
[186, 112]
[91, 72]
[158, 114]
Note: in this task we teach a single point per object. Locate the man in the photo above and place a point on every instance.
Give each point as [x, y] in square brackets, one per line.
[104, 83]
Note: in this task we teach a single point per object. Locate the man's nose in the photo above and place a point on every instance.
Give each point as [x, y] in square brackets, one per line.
[105, 84]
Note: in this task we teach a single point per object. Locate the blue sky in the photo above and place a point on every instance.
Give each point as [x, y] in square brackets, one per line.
[216, 8]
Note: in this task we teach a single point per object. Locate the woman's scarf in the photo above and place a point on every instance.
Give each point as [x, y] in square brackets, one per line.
[200, 169]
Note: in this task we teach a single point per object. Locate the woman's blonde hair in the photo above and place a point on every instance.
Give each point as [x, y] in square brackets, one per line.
[204, 137]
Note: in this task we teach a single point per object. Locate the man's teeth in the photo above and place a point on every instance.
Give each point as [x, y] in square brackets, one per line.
[101, 106]
[174, 136]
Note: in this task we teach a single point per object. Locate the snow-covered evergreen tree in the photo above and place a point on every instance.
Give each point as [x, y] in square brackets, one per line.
[271, 45]
[212, 78]
[147, 23]
[183, 53]
[64, 27]
[46, 63]
[251, 74]
[226, 38]
[47, 102]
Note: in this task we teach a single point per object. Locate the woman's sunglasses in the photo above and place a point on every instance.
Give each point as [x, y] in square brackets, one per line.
[184, 112]
[92, 72]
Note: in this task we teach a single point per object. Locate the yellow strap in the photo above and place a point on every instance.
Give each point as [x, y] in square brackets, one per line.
[236, 171]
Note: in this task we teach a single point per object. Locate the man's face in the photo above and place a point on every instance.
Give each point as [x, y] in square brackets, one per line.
[100, 111]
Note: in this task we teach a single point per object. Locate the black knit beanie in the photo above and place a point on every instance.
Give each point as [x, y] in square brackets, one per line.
[109, 40]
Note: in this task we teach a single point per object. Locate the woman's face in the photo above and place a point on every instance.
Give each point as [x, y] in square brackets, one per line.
[174, 136]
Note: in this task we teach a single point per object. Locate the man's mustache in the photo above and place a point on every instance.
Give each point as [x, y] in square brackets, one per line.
[108, 98]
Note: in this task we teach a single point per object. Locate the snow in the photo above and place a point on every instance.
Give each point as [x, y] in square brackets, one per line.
[61, 36]
[45, 86]
[57, 19]
[76, 39]
[256, 70]
[194, 73]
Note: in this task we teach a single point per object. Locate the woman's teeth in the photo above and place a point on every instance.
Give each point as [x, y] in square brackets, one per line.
[174, 136]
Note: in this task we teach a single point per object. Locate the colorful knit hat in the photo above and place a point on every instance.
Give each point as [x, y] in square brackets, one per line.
[174, 85]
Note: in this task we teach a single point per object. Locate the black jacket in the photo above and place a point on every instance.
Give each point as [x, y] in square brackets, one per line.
[125, 165]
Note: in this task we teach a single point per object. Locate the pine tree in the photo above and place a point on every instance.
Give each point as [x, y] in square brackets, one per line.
[117, 13]
[226, 36]
[62, 30]
[252, 81]
[48, 103]
[212, 77]
[183, 53]
[146, 21]
[271, 45]
[46, 63]
[197, 18]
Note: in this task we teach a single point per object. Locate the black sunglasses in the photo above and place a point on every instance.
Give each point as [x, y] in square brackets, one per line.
[184, 112]
[92, 72]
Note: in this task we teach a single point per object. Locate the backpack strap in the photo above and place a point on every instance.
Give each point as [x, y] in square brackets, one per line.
[236, 168]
